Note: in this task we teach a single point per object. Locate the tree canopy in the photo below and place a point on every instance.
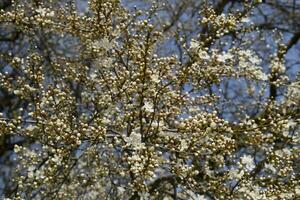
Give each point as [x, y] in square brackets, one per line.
[169, 99]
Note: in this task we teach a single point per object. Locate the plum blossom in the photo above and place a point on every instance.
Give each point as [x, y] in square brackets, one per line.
[104, 43]
[194, 45]
[31, 127]
[194, 196]
[44, 12]
[148, 107]
[236, 174]
[183, 145]
[56, 159]
[135, 140]
[155, 78]
[248, 162]
[245, 20]
[203, 55]
[224, 57]
[270, 167]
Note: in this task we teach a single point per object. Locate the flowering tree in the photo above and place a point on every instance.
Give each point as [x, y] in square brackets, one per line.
[123, 102]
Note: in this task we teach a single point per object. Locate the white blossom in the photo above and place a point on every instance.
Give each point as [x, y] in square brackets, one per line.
[183, 145]
[135, 140]
[224, 57]
[104, 43]
[194, 196]
[245, 20]
[44, 12]
[236, 174]
[31, 127]
[248, 162]
[155, 78]
[270, 167]
[121, 190]
[194, 45]
[144, 196]
[56, 159]
[297, 190]
[148, 107]
[203, 55]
